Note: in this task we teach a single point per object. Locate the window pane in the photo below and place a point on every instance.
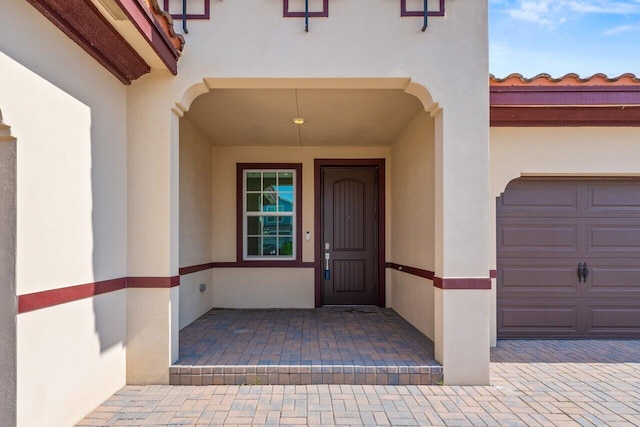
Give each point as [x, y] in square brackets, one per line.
[285, 202]
[253, 181]
[286, 246]
[253, 202]
[253, 246]
[269, 246]
[270, 202]
[254, 227]
[268, 181]
[285, 225]
[270, 225]
[285, 179]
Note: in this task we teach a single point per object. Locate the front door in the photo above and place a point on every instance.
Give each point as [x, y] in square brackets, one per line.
[349, 235]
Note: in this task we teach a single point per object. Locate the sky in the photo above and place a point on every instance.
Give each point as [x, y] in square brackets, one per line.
[564, 36]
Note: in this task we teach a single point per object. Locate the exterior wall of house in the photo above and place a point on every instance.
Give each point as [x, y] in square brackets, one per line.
[581, 151]
[68, 115]
[412, 222]
[196, 193]
[269, 287]
[446, 67]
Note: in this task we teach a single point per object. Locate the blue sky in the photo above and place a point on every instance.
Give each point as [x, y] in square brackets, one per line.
[564, 36]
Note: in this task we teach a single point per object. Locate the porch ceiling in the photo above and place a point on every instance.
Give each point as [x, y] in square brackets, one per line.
[263, 117]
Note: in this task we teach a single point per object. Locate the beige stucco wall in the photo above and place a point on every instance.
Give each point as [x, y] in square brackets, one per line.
[70, 120]
[71, 358]
[152, 334]
[263, 287]
[464, 327]
[195, 222]
[412, 221]
[581, 151]
[8, 302]
[68, 114]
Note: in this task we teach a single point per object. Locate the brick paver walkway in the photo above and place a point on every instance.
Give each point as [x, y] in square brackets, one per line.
[329, 345]
[533, 383]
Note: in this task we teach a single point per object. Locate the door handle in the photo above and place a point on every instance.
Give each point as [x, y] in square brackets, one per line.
[580, 272]
[327, 271]
[585, 272]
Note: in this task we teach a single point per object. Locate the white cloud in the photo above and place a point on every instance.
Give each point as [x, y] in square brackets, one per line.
[621, 29]
[551, 13]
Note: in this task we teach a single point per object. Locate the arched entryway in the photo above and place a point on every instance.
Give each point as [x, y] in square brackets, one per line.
[249, 194]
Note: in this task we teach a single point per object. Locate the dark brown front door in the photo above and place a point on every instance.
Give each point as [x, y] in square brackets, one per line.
[349, 233]
[569, 258]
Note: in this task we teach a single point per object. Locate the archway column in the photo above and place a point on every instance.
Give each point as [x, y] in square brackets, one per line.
[462, 283]
[152, 284]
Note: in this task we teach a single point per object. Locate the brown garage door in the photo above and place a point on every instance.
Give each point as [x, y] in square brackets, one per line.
[569, 258]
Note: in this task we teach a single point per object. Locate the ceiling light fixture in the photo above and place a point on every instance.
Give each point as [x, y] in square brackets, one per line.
[299, 120]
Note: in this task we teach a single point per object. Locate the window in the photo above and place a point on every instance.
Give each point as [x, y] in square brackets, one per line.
[270, 205]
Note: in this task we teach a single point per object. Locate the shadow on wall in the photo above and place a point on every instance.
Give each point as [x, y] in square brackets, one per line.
[109, 224]
[8, 300]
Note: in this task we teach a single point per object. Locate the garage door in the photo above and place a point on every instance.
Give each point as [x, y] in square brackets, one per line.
[569, 259]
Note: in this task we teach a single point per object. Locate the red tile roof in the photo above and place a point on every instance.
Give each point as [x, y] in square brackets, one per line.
[166, 22]
[565, 101]
[570, 79]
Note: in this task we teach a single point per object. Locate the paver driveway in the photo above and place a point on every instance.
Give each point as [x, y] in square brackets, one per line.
[532, 383]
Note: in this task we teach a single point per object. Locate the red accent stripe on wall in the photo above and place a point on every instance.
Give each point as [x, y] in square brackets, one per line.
[38, 300]
[412, 270]
[449, 283]
[44, 299]
[446, 283]
[153, 282]
[195, 268]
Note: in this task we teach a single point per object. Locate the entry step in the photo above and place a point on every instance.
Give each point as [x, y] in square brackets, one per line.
[305, 374]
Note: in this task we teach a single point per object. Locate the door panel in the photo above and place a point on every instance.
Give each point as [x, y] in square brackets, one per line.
[540, 246]
[349, 229]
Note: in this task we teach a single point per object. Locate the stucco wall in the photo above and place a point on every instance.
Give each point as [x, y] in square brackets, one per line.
[263, 287]
[68, 114]
[233, 285]
[195, 222]
[71, 358]
[412, 221]
[583, 151]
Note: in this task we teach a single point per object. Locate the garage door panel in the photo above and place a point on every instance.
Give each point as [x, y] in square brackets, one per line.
[538, 237]
[612, 278]
[613, 196]
[527, 196]
[613, 238]
[616, 317]
[532, 278]
[539, 316]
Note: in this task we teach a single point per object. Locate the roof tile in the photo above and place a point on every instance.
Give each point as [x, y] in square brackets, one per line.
[570, 79]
